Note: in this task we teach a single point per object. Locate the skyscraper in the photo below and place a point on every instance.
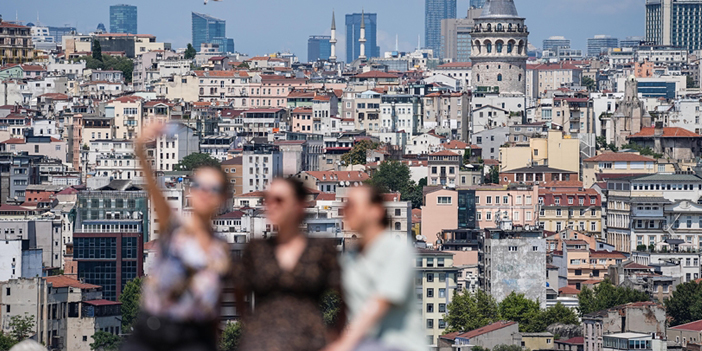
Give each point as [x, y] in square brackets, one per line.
[455, 36]
[123, 19]
[674, 23]
[554, 43]
[318, 48]
[478, 4]
[353, 34]
[600, 44]
[435, 11]
[208, 29]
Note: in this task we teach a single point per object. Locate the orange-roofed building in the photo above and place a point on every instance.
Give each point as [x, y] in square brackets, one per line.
[328, 181]
[671, 142]
[15, 43]
[575, 209]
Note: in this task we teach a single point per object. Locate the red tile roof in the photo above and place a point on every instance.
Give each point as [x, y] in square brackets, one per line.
[4, 24]
[578, 340]
[68, 191]
[416, 215]
[619, 157]
[226, 74]
[634, 265]
[695, 326]
[56, 96]
[127, 99]
[607, 254]
[456, 65]
[13, 141]
[486, 329]
[254, 194]
[554, 66]
[326, 197]
[444, 153]
[668, 132]
[62, 281]
[231, 215]
[570, 289]
[455, 144]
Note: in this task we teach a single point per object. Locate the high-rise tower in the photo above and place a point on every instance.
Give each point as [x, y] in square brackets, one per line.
[123, 19]
[499, 51]
[435, 11]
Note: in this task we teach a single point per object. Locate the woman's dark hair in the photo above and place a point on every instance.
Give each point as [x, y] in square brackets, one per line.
[226, 188]
[298, 188]
[375, 196]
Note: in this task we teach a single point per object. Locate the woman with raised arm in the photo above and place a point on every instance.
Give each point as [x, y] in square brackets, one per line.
[288, 274]
[181, 296]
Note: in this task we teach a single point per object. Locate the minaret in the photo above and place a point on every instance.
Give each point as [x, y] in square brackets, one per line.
[332, 41]
[362, 40]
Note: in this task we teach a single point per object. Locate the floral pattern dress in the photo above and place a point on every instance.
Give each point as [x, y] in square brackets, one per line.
[187, 280]
[287, 314]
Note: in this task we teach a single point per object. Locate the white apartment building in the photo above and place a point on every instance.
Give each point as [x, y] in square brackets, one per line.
[171, 149]
[261, 164]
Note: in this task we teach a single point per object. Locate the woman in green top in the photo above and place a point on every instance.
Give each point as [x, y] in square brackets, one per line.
[378, 282]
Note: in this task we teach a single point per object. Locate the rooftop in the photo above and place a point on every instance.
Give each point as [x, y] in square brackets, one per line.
[619, 157]
[668, 132]
[695, 326]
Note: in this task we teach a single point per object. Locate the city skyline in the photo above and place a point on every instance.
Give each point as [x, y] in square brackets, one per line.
[570, 18]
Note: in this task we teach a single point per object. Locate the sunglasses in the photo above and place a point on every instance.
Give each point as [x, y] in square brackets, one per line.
[212, 189]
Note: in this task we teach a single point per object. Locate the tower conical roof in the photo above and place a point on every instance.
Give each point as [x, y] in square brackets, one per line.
[499, 9]
[333, 27]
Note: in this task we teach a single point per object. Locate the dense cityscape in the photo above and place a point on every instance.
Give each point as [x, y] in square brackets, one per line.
[552, 195]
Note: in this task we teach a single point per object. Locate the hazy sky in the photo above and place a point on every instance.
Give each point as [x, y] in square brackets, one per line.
[266, 26]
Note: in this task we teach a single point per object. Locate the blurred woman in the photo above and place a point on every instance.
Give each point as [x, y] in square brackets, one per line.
[288, 275]
[180, 298]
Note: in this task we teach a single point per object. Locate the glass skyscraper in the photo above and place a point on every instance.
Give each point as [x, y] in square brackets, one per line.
[208, 29]
[554, 43]
[353, 33]
[674, 23]
[318, 48]
[600, 44]
[435, 11]
[478, 4]
[123, 19]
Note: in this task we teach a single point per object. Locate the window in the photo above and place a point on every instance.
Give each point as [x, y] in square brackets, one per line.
[442, 293]
[513, 248]
[440, 262]
[430, 293]
[398, 212]
[445, 200]
[488, 199]
[442, 308]
[430, 277]
[430, 262]
[430, 323]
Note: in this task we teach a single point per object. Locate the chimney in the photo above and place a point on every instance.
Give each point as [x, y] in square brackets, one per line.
[658, 131]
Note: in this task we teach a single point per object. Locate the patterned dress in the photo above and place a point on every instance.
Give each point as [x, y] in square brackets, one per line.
[287, 314]
[186, 282]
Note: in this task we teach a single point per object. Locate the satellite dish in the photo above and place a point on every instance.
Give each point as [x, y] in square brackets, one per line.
[348, 183]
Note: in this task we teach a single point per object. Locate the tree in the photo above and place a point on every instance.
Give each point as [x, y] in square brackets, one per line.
[515, 307]
[357, 155]
[394, 176]
[605, 295]
[493, 176]
[190, 52]
[589, 83]
[641, 248]
[196, 160]
[104, 341]
[559, 314]
[504, 347]
[685, 304]
[123, 64]
[469, 311]
[479, 348]
[230, 337]
[22, 327]
[97, 50]
[6, 341]
[467, 155]
[331, 302]
[130, 299]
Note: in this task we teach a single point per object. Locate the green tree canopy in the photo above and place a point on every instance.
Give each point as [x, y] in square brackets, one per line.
[605, 295]
[6, 341]
[97, 50]
[130, 299]
[123, 64]
[505, 347]
[357, 155]
[470, 311]
[394, 176]
[22, 327]
[515, 307]
[589, 83]
[190, 52]
[685, 304]
[230, 337]
[196, 160]
[558, 314]
[104, 341]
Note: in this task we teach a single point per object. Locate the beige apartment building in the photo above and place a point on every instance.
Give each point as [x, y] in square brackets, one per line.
[126, 112]
[619, 163]
[435, 283]
[544, 152]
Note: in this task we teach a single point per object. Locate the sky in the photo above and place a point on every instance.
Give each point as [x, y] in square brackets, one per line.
[267, 26]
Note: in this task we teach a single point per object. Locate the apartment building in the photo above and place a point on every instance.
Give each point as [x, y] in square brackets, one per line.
[15, 43]
[261, 164]
[514, 203]
[611, 164]
[435, 284]
[126, 112]
[443, 168]
[449, 210]
[572, 208]
[171, 149]
[543, 151]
